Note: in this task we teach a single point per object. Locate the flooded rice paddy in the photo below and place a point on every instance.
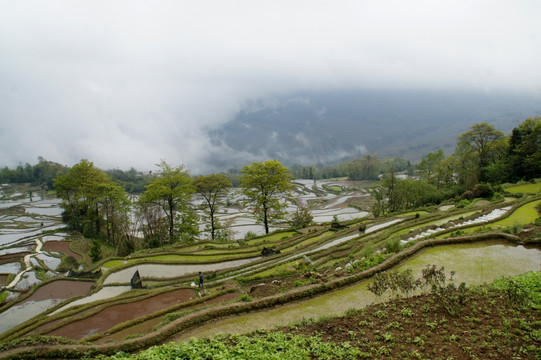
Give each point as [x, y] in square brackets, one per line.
[473, 264]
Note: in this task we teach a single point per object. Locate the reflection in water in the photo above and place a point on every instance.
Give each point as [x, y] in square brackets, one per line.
[20, 313]
[167, 270]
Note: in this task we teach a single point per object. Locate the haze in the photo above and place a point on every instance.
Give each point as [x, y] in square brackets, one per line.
[127, 83]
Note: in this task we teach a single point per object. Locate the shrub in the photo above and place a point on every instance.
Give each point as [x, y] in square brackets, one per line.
[67, 263]
[245, 298]
[393, 246]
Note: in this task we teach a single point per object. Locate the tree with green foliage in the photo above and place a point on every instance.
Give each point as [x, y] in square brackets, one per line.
[365, 168]
[80, 190]
[483, 145]
[116, 207]
[429, 165]
[212, 189]
[524, 156]
[266, 184]
[393, 194]
[170, 190]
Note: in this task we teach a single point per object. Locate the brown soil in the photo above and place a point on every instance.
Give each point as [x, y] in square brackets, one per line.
[116, 314]
[3, 279]
[420, 327]
[150, 324]
[62, 247]
[60, 289]
[9, 257]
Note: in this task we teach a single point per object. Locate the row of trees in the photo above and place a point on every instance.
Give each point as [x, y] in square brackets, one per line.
[44, 172]
[100, 208]
[368, 167]
[484, 158]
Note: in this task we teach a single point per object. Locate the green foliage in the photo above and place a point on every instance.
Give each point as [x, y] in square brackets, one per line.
[250, 235]
[263, 345]
[3, 296]
[301, 218]
[266, 184]
[393, 246]
[245, 298]
[522, 288]
[365, 168]
[95, 251]
[393, 194]
[44, 173]
[186, 226]
[396, 282]
[170, 317]
[170, 190]
[93, 204]
[133, 181]
[484, 145]
[212, 188]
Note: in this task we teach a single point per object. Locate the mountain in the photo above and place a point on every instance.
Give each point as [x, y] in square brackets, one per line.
[328, 126]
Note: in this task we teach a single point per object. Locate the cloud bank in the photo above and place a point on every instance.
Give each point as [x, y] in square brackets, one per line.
[127, 83]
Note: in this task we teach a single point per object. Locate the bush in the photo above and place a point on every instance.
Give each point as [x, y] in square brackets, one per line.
[301, 218]
[245, 298]
[393, 246]
[67, 263]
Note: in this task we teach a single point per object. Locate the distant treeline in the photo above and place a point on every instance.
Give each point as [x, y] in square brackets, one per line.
[43, 173]
[482, 155]
[368, 167]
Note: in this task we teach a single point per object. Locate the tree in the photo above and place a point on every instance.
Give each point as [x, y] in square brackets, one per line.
[266, 184]
[301, 218]
[212, 188]
[365, 168]
[171, 191]
[487, 144]
[524, 156]
[115, 205]
[429, 164]
[80, 190]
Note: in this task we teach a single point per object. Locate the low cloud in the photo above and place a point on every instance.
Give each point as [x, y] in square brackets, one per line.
[128, 83]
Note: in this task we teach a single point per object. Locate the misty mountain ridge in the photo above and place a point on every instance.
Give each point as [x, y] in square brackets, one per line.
[308, 127]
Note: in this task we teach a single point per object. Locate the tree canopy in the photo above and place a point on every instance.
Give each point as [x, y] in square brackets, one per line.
[170, 190]
[266, 184]
[212, 188]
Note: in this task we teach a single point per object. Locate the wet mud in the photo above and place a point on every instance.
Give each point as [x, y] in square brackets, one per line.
[62, 247]
[60, 289]
[148, 325]
[117, 314]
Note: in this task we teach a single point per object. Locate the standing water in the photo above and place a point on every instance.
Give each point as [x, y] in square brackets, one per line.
[473, 264]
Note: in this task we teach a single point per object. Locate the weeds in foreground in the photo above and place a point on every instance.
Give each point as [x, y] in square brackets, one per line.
[433, 278]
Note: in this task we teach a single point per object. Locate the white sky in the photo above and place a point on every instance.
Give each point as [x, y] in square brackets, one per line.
[126, 83]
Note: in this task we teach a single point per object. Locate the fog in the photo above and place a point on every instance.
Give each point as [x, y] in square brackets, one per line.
[127, 83]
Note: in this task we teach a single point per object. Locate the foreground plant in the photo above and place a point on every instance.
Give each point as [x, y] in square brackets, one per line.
[262, 345]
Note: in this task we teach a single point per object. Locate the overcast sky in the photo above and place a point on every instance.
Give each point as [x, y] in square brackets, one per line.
[126, 83]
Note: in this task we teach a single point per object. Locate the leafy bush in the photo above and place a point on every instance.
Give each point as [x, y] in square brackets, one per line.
[393, 246]
[301, 218]
[245, 298]
[67, 263]
[250, 235]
